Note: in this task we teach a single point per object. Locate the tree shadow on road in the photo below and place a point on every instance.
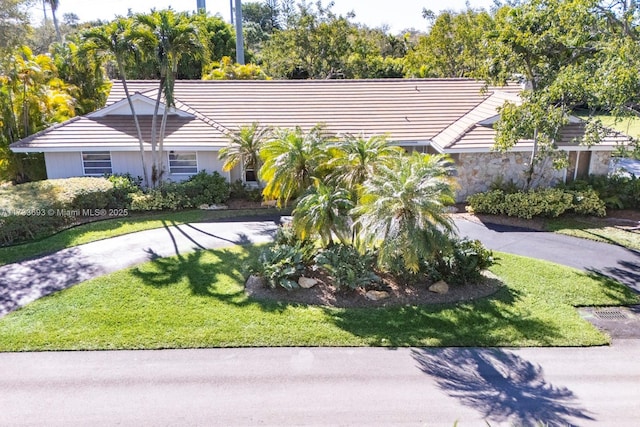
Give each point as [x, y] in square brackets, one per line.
[500, 385]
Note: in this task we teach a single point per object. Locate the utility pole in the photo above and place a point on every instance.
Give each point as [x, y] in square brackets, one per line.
[239, 36]
[231, 9]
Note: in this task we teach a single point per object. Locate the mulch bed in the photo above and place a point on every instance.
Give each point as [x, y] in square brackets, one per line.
[400, 294]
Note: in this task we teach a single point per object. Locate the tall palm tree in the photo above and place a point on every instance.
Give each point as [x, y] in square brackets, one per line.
[53, 4]
[115, 39]
[244, 148]
[290, 159]
[401, 211]
[323, 213]
[172, 35]
[354, 159]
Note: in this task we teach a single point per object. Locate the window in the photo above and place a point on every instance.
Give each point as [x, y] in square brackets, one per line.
[97, 163]
[185, 163]
[250, 175]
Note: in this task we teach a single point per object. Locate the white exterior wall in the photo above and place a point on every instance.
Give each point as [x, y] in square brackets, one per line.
[63, 165]
[123, 162]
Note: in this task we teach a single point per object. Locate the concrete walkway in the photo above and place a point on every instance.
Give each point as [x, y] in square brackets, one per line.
[27, 281]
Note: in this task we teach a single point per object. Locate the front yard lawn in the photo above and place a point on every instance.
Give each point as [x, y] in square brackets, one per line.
[99, 230]
[197, 300]
[597, 229]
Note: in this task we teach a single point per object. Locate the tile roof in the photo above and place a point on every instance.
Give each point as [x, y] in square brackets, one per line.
[446, 113]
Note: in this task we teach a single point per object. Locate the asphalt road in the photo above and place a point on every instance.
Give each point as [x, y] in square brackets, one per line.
[323, 386]
[315, 386]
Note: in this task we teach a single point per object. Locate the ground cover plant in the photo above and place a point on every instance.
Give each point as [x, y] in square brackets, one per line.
[198, 300]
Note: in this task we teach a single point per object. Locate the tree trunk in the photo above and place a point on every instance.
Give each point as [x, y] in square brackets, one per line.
[137, 123]
[154, 136]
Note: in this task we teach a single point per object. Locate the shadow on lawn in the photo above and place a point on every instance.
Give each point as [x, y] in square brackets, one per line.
[204, 276]
[501, 385]
[492, 321]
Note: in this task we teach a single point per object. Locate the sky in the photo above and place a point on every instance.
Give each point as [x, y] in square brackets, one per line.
[398, 15]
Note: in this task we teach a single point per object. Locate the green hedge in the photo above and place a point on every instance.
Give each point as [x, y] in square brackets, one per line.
[547, 202]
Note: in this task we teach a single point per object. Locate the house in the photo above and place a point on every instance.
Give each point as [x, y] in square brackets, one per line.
[453, 116]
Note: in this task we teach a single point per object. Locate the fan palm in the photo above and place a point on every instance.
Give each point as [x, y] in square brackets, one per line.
[115, 39]
[401, 211]
[290, 160]
[244, 148]
[323, 213]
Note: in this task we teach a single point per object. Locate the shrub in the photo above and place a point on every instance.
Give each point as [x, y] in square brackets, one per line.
[280, 265]
[461, 263]
[616, 191]
[203, 189]
[36, 224]
[347, 267]
[238, 190]
[285, 235]
[547, 202]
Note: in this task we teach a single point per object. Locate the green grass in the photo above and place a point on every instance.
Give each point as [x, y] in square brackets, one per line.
[95, 231]
[628, 125]
[197, 300]
[594, 229]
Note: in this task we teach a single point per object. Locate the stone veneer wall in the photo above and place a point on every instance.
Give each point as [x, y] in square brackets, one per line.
[600, 162]
[477, 171]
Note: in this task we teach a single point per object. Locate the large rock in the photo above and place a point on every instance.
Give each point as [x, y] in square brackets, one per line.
[307, 282]
[255, 281]
[440, 287]
[376, 295]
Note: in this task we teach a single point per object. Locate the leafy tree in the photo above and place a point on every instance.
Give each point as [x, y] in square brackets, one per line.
[454, 47]
[14, 23]
[32, 97]
[290, 161]
[244, 148]
[226, 69]
[401, 211]
[81, 68]
[116, 40]
[547, 43]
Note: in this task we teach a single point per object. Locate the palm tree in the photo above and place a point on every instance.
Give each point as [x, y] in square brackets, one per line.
[115, 39]
[244, 148]
[401, 211]
[354, 159]
[323, 213]
[290, 159]
[172, 35]
[53, 4]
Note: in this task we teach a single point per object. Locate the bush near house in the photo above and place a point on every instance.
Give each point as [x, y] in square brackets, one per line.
[616, 191]
[39, 209]
[546, 202]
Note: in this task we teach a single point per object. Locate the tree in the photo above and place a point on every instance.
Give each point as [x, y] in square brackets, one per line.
[354, 159]
[226, 69]
[401, 211]
[115, 39]
[290, 161]
[244, 148]
[547, 43]
[53, 4]
[454, 47]
[171, 36]
[323, 213]
[32, 98]
[14, 24]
